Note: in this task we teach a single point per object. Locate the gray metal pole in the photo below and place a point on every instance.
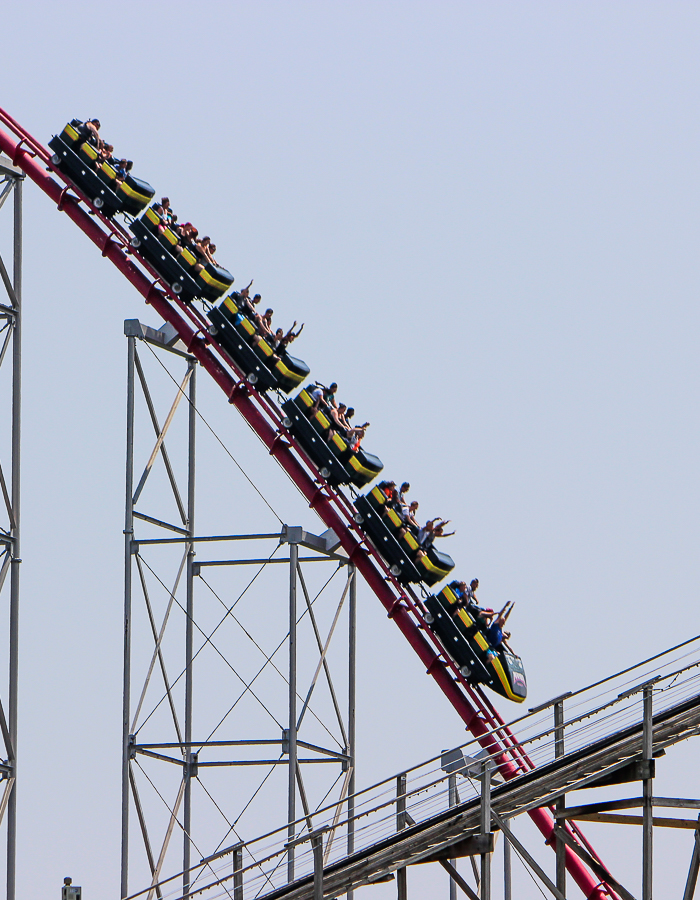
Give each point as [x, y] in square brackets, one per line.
[692, 879]
[352, 672]
[561, 801]
[237, 872]
[128, 538]
[317, 847]
[507, 870]
[15, 550]
[647, 794]
[292, 732]
[452, 789]
[189, 631]
[401, 881]
[486, 828]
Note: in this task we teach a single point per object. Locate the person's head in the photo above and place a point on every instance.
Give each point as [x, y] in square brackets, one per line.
[279, 333]
[413, 507]
[269, 313]
[165, 202]
[350, 413]
[391, 484]
[129, 165]
[205, 240]
[342, 407]
[96, 123]
[122, 163]
[212, 247]
[474, 583]
[257, 298]
[109, 148]
[333, 388]
[174, 219]
[405, 487]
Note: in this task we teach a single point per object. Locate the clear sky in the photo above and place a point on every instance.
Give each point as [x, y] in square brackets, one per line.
[487, 217]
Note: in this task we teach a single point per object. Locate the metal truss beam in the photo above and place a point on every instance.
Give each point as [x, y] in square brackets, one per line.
[11, 180]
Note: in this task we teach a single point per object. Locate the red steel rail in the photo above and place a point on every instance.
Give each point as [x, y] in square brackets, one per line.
[332, 506]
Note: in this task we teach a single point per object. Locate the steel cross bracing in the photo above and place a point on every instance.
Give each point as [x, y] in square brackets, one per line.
[446, 808]
[11, 179]
[174, 642]
[264, 417]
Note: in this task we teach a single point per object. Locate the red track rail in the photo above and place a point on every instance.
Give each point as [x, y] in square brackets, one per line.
[334, 509]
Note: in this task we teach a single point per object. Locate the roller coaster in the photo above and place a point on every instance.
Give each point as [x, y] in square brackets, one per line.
[325, 467]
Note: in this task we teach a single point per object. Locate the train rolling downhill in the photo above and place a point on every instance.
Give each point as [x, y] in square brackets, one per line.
[267, 366]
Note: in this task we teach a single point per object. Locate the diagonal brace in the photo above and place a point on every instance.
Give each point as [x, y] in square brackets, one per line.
[161, 437]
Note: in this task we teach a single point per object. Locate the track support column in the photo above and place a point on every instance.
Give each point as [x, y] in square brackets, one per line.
[190, 760]
[561, 801]
[238, 872]
[453, 800]
[128, 538]
[401, 885]
[292, 729]
[352, 673]
[15, 558]
[507, 871]
[485, 884]
[647, 787]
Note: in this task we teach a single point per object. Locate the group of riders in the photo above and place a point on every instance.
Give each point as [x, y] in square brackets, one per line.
[490, 622]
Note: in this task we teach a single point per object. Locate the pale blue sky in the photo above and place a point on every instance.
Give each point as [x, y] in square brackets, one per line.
[487, 216]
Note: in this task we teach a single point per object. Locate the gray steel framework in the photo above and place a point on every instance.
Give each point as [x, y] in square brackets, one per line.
[185, 750]
[405, 829]
[11, 179]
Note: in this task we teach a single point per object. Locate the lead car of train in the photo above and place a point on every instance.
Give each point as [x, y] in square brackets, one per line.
[467, 644]
[337, 461]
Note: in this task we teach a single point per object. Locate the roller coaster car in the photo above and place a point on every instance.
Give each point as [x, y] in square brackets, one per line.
[235, 330]
[77, 158]
[467, 645]
[158, 243]
[382, 524]
[337, 462]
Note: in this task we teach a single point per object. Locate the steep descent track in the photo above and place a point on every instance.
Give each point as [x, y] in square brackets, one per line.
[331, 505]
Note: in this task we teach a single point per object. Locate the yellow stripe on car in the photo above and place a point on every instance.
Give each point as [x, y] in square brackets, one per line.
[359, 468]
[286, 372]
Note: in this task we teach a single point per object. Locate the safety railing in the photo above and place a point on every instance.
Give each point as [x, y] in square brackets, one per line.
[432, 788]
